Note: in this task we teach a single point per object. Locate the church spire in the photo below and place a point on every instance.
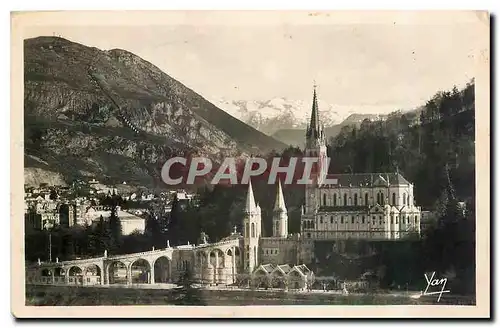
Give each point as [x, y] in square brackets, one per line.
[314, 127]
[250, 206]
[279, 204]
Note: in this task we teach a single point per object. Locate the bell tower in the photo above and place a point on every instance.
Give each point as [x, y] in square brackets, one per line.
[315, 148]
[252, 231]
[280, 214]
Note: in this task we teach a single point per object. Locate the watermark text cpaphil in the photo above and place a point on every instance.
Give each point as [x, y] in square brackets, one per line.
[293, 170]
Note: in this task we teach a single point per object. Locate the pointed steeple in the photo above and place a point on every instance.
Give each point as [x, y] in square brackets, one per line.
[250, 206]
[279, 204]
[314, 126]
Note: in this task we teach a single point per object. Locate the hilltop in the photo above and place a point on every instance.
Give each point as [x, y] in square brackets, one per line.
[112, 114]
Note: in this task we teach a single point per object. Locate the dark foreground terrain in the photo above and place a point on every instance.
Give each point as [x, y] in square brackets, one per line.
[91, 296]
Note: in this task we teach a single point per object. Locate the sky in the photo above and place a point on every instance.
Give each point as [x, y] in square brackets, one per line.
[370, 66]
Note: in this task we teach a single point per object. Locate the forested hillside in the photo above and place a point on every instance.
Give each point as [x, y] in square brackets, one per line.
[421, 147]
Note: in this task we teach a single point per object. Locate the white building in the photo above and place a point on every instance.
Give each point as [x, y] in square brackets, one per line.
[373, 206]
[130, 223]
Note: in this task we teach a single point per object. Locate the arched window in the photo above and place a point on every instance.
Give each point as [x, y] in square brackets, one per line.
[397, 219]
[335, 200]
[341, 219]
[352, 219]
[312, 224]
[392, 219]
[277, 226]
[382, 200]
[253, 230]
[324, 199]
[408, 200]
[345, 199]
[416, 219]
[331, 219]
[355, 199]
[404, 199]
[363, 219]
[247, 230]
[393, 198]
[366, 199]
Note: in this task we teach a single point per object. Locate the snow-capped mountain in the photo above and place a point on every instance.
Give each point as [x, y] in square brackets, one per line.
[269, 116]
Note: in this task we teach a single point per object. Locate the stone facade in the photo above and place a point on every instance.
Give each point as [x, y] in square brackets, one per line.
[371, 206]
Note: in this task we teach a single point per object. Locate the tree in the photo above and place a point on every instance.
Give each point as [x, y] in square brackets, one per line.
[154, 231]
[186, 294]
[173, 230]
[101, 237]
[53, 194]
[115, 229]
[278, 281]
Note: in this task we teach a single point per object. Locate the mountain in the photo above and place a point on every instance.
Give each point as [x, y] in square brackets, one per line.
[270, 116]
[296, 137]
[115, 116]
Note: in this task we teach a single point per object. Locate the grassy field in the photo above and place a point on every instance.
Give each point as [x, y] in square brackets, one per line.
[90, 296]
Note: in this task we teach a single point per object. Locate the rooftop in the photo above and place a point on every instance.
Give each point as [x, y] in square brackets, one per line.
[368, 179]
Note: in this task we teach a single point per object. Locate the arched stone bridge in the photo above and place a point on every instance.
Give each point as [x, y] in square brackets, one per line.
[216, 263]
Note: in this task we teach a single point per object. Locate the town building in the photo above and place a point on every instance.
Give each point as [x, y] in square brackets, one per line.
[130, 223]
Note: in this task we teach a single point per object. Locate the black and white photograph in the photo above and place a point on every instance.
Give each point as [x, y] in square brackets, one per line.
[232, 161]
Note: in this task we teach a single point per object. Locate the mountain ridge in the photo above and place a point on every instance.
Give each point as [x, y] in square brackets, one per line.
[138, 111]
[281, 113]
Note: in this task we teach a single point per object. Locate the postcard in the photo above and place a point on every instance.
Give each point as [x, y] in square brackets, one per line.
[250, 164]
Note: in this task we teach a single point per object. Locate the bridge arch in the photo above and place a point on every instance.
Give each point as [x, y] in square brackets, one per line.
[117, 272]
[92, 270]
[140, 270]
[92, 274]
[75, 275]
[162, 270]
[75, 270]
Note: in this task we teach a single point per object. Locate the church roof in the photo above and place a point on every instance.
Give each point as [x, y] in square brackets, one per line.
[314, 127]
[268, 267]
[285, 267]
[302, 269]
[279, 203]
[367, 179]
[250, 206]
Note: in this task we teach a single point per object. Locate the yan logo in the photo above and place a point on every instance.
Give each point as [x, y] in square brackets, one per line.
[431, 282]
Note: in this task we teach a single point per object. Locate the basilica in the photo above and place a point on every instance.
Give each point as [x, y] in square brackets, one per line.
[368, 206]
